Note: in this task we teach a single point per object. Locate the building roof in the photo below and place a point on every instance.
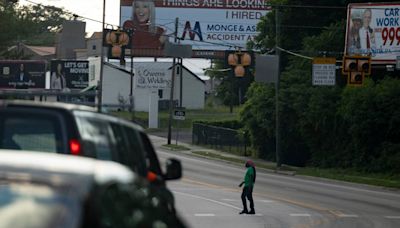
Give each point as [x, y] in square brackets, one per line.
[97, 35]
[41, 50]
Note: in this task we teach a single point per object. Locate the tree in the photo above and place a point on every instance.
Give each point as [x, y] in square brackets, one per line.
[231, 90]
[32, 25]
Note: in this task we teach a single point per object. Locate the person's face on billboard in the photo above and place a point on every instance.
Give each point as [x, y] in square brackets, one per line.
[357, 23]
[366, 18]
[142, 11]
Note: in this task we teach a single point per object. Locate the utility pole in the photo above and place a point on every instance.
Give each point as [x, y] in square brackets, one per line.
[171, 97]
[100, 86]
[180, 82]
[278, 53]
[131, 100]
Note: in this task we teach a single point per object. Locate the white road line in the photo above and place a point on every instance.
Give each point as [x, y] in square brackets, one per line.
[267, 201]
[252, 214]
[239, 200]
[207, 199]
[392, 217]
[231, 200]
[300, 215]
[204, 215]
[347, 216]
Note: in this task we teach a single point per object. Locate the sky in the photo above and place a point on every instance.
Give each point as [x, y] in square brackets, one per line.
[93, 9]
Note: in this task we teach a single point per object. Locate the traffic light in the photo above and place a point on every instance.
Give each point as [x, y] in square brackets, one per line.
[364, 65]
[239, 61]
[356, 68]
[355, 78]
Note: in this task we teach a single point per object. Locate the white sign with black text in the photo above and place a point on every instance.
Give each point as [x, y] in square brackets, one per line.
[179, 115]
[324, 71]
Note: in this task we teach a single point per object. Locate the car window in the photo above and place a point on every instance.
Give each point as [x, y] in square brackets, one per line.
[98, 134]
[31, 132]
[152, 161]
[32, 201]
[135, 152]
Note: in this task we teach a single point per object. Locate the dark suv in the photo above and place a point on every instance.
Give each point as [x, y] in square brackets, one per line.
[80, 130]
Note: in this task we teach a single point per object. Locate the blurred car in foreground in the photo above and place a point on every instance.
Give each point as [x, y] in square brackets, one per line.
[80, 130]
[53, 190]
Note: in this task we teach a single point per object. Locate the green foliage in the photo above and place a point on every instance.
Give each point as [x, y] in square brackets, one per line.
[232, 124]
[330, 127]
[258, 118]
[231, 90]
[31, 25]
[372, 116]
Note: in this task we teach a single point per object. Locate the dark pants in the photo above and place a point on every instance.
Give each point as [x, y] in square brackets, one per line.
[247, 192]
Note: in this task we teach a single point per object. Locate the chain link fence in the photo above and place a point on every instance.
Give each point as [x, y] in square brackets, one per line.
[221, 138]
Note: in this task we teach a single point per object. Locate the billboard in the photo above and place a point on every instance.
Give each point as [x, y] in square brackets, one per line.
[374, 29]
[210, 26]
[22, 74]
[151, 75]
[69, 74]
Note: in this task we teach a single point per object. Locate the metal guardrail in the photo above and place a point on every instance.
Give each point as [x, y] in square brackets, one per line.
[219, 138]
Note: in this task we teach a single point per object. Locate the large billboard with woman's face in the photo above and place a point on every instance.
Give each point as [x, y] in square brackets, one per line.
[374, 30]
[210, 26]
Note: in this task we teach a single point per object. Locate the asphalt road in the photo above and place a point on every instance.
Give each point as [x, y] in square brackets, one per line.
[208, 196]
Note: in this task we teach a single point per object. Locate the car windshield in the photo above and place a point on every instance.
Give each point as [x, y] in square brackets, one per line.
[34, 132]
[38, 205]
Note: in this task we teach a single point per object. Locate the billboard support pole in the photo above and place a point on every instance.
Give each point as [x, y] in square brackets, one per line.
[100, 84]
[131, 100]
[171, 97]
[278, 52]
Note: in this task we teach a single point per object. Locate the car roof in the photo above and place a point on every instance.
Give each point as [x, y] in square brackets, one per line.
[39, 104]
[65, 106]
[60, 170]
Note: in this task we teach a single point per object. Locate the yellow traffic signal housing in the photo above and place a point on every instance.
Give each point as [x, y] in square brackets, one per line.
[355, 78]
[364, 65]
[356, 64]
[349, 64]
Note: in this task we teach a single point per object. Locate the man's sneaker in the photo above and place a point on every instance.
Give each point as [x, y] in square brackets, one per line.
[243, 212]
[252, 212]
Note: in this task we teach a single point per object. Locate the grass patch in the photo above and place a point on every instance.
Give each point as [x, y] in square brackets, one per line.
[265, 165]
[384, 180]
[175, 147]
[219, 113]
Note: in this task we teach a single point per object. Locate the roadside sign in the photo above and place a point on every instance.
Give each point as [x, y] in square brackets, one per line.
[397, 62]
[179, 115]
[324, 71]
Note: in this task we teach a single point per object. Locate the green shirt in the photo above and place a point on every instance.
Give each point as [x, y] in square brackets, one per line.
[249, 177]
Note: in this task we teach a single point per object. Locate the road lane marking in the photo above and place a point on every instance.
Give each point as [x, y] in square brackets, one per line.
[348, 216]
[207, 199]
[277, 198]
[267, 201]
[300, 215]
[305, 181]
[200, 183]
[392, 217]
[204, 215]
[238, 200]
[342, 215]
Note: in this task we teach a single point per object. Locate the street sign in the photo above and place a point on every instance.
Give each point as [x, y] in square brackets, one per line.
[179, 115]
[324, 71]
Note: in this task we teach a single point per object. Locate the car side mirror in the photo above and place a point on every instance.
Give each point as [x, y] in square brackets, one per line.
[173, 168]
